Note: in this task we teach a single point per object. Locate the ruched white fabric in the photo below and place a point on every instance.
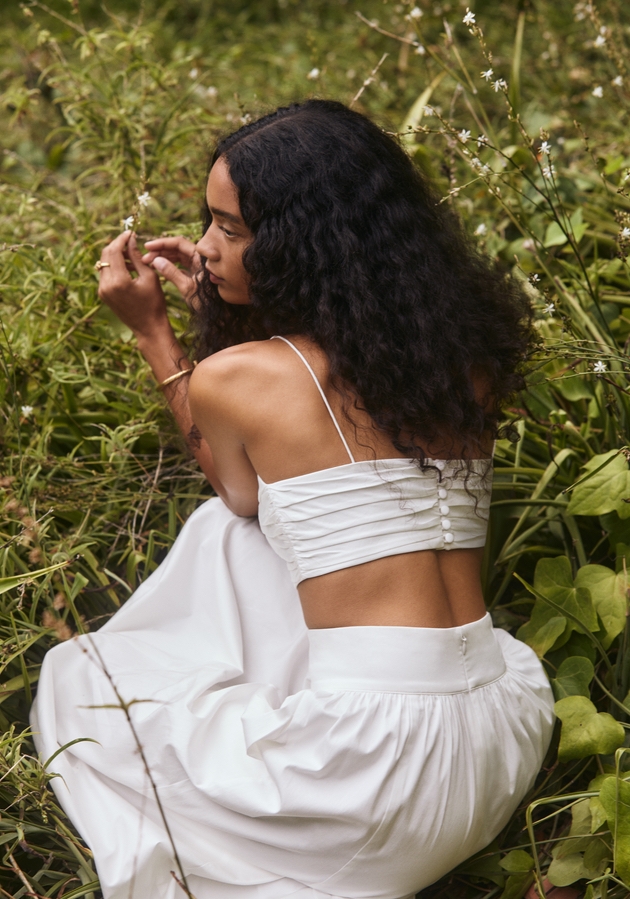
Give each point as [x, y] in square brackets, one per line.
[352, 763]
[339, 517]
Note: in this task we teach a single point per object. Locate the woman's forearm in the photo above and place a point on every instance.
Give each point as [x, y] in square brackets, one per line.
[166, 357]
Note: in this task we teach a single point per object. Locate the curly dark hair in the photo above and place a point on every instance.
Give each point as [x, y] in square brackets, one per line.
[353, 249]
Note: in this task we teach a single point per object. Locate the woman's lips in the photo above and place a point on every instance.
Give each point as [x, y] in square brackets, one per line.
[214, 278]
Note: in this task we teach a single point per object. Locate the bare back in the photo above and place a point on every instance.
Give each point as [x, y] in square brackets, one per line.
[271, 422]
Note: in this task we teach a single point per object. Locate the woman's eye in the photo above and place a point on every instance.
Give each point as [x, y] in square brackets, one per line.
[227, 233]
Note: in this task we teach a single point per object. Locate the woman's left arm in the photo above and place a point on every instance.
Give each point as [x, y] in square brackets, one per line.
[139, 302]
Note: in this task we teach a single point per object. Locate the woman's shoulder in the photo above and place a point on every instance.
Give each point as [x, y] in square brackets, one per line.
[242, 374]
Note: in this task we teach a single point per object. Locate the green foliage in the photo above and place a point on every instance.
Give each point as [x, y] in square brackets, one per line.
[106, 106]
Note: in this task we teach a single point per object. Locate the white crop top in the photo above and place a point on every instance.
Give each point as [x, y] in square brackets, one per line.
[338, 517]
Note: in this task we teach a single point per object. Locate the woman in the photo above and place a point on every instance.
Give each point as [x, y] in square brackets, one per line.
[362, 734]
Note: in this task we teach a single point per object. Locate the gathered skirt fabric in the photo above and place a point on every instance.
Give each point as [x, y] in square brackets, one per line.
[353, 763]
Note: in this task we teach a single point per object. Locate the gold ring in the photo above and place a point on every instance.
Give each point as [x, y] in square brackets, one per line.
[99, 265]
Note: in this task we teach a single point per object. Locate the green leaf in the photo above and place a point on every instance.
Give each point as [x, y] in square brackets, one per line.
[9, 583]
[516, 886]
[585, 731]
[615, 797]
[554, 236]
[597, 857]
[517, 862]
[578, 226]
[563, 871]
[573, 677]
[608, 592]
[544, 630]
[605, 490]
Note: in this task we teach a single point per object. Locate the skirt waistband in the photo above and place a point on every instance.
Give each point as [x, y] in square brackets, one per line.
[405, 659]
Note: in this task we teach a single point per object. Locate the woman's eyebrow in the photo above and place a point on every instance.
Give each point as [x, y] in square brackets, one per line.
[226, 215]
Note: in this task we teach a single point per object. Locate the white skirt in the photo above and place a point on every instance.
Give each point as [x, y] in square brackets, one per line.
[348, 762]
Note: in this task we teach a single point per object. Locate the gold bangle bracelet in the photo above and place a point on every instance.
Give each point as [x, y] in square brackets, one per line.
[176, 376]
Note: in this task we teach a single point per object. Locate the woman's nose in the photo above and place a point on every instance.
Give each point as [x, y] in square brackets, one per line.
[207, 247]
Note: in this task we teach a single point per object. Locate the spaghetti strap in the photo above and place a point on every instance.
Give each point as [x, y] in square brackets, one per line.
[319, 387]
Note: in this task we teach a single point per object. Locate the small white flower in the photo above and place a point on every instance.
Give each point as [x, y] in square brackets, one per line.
[420, 51]
[26, 411]
[487, 75]
[534, 279]
[600, 367]
[549, 171]
[618, 81]
[624, 234]
[549, 309]
[598, 91]
[600, 40]
[128, 222]
[143, 199]
[469, 18]
[415, 13]
[545, 147]
[454, 192]
[481, 229]
[482, 140]
[211, 92]
[245, 119]
[313, 75]
[429, 110]
[499, 85]
[529, 245]
[463, 135]
[193, 73]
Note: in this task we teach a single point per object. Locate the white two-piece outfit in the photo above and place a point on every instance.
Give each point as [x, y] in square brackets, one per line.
[350, 762]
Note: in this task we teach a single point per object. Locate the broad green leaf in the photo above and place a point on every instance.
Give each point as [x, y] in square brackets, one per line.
[564, 871]
[517, 862]
[573, 677]
[516, 886]
[598, 813]
[541, 637]
[608, 592]
[585, 731]
[604, 491]
[554, 236]
[578, 226]
[573, 387]
[597, 857]
[615, 797]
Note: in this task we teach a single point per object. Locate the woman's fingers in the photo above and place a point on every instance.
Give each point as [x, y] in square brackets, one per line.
[176, 249]
[183, 282]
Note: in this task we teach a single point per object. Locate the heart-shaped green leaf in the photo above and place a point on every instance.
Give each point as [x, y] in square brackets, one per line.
[615, 797]
[608, 592]
[585, 731]
[606, 490]
[573, 677]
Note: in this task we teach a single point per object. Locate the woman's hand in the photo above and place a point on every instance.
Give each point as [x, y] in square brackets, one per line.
[138, 302]
[165, 253]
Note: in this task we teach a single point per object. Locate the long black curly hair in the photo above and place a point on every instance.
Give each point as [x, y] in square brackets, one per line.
[353, 249]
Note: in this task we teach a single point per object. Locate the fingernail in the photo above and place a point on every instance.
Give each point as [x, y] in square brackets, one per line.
[159, 263]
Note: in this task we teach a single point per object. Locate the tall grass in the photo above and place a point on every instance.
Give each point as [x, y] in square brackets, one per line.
[105, 108]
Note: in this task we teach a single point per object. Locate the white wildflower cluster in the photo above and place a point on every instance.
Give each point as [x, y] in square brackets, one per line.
[212, 92]
[598, 91]
[26, 411]
[618, 81]
[534, 278]
[314, 74]
[469, 18]
[481, 229]
[420, 50]
[429, 110]
[600, 40]
[529, 245]
[549, 171]
[624, 235]
[415, 13]
[463, 135]
[482, 141]
[600, 367]
[144, 199]
[487, 75]
[129, 222]
[549, 309]
[499, 85]
[480, 167]
[545, 148]
[581, 10]
[193, 74]
[245, 119]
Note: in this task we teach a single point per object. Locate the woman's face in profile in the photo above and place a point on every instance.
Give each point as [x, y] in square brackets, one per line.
[226, 239]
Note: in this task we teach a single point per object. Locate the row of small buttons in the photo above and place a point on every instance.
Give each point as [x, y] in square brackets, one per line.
[444, 509]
